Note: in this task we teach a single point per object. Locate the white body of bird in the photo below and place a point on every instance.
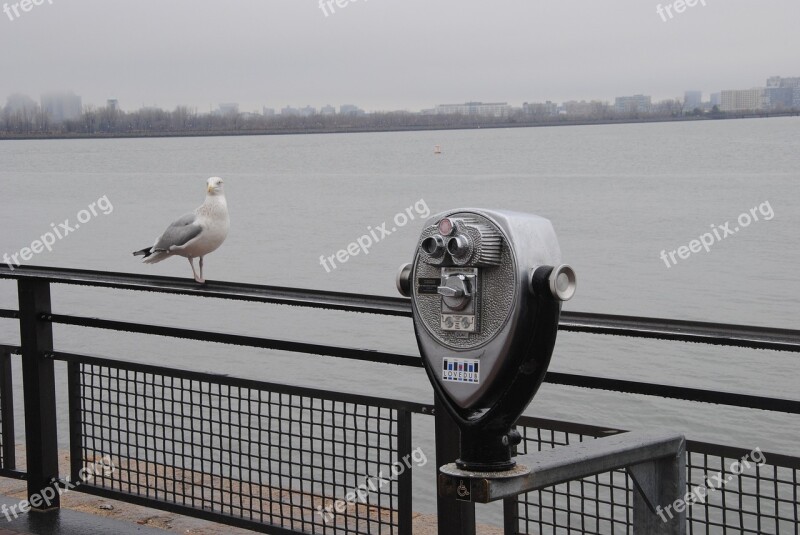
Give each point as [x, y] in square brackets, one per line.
[194, 235]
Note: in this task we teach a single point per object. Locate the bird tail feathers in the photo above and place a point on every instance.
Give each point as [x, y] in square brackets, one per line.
[151, 256]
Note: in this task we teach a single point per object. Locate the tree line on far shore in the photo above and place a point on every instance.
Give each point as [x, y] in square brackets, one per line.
[23, 117]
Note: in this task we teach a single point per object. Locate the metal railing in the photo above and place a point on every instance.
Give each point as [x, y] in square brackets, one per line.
[267, 456]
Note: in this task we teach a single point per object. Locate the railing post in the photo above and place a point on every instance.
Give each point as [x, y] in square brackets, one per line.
[455, 517]
[7, 410]
[404, 501]
[511, 516]
[659, 484]
[36, 336]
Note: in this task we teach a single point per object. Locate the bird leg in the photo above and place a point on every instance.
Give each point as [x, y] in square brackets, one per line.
[200, 278]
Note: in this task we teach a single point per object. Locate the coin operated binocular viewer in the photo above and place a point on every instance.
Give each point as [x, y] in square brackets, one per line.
[486, 289]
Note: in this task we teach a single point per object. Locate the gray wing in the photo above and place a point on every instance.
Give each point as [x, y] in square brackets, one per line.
[178, 233]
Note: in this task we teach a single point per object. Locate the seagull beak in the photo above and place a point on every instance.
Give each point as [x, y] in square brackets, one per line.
[210, 188]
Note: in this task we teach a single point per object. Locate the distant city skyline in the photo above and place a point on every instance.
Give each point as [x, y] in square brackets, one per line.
[776, 88]
[321, 102]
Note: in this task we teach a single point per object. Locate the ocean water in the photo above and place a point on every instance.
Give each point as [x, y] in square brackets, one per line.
[618, 195]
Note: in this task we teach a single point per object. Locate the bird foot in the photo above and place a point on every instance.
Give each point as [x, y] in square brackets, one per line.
[199, 280]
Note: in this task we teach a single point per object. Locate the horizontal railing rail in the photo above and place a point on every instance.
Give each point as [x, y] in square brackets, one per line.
[682, 393]
[11, 350]
[693, 446]
[683, 331]
[388, 306]
[281, 388]
[239, 340]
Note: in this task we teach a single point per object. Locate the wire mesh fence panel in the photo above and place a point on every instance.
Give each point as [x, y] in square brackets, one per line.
[742, 494]
[600, 504]
[729, 491]
[289, 459]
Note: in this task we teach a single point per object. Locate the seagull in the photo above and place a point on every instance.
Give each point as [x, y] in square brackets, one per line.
[194, 235]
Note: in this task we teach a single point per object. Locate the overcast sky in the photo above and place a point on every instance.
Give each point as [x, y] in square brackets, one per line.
[390, 54]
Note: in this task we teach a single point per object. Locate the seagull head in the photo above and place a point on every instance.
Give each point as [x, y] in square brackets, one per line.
[214, 186]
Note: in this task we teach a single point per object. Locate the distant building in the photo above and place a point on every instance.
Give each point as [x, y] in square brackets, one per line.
[327, 110]
[350, 109]
[112, 104]
[18, 102]
[744, 99]
[777, 81]
[62, 106]
[716, 99]
[485, 109]
[308, 111]
[268, 112]
[633, 104]
[784, 83]
[228, 108]
[692, 100]
[779, 98]
[288, 111]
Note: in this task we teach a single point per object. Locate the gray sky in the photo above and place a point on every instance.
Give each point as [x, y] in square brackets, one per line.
[390, 54]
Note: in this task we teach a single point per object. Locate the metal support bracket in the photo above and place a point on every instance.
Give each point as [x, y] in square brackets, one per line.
[656, 462]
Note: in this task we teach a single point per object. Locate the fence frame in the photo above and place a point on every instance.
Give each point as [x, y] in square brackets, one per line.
[36, 319]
